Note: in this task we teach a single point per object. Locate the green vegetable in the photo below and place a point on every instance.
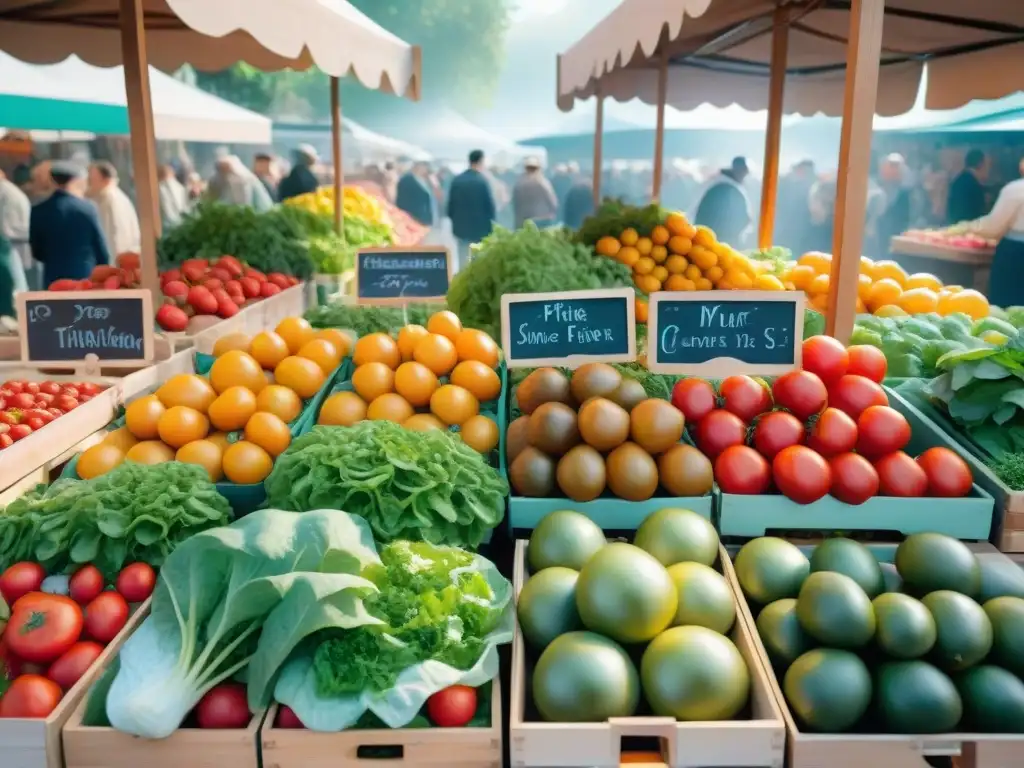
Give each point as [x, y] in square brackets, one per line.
[364, 319]
[993, 324]
[615, 216]
[905, 367]
[862, 335]
[921, 328]
[814, 323]
[137, 512]
[426, 486]
[780, 258]
[1010, 469]
[1015, 316]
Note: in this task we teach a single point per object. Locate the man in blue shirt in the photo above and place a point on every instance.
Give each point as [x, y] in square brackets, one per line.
[471, 206]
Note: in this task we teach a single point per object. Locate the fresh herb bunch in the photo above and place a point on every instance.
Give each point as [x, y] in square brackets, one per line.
[364, 318]
[613, 216]
[1010, 469]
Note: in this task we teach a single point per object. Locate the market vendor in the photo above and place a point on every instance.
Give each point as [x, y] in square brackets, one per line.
[1005, 223]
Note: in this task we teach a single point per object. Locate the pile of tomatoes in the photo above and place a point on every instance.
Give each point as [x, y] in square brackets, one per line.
[51, 640]
[27, 406]
[826, 429]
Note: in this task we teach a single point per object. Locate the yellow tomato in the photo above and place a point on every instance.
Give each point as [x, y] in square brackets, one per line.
[692, 272]
[477, 378]
[819, 285]
[237, 369]
[445, 323]
[372, 380]
[801, 276]
[628, 255]
[377, 348]
[676, 265]
[341, 340]
[480, 433]
[268, 349]
[408, 337]
[180, 425]
[295, 331]
[187, 389]
[629, 237]
[820, 262]
[644, 245]
[768, 283]
[889, 310]
[883, 292]
[342, 409]
[390, 407]
[323, 353]
[268, 432]
[888, 269]
[659, 253]
[206, 454]
[607, 246]
[415, 382]
[436, 352]
[864, 283]
[423, 422]
[714, 274]
[122, 438]
[453, 404]
[644, 265]
[98, 460]
[300, 375]
[246, 463]
[280, 401]
[231, 341]
[969, 302]
[142, 417]
[660, 235]
[924, 280]
[919, 301]
[660, 274]
[232, 409]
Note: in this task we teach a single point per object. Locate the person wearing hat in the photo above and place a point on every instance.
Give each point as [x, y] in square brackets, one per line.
[301, 180]
[533, 197]
[725, 207]
[64, 230]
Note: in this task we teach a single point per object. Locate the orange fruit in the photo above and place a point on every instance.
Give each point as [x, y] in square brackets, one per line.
[302, 376]
[280, 401]
[647, 283]
[377, 348]
[437, 353]
[703, 284]
[644, 245]
[206, 453]
[445, 323]
[801, 276]
[715, 274]
[640, 309]
[268, 349]
[342, 409]
[246, 463]
[121, 438]
[187, 389]
[918, 301]
[389, 407]
[220, 439]
[232, 409]
[341, 340]
[237, 369]
[676, 265]
[479, 433]
[408, 336]
[887, 269]
[860, 307]
[150, 452]
[866, 265]
[820, 302]
[607, 246]
[703, 257]
[423, 422]
[660, 235]
[953, 288]
[820, 262]
[740, 280]
[629, 237]
[970, 302]
[473, 344]
[181, 424]
[864, 283]
[373, 380]
[142, 415]
[453, 404]
[660, 274]
[679, 244]
[231, 341]
[296, 331]
[323, 353]
[924, 280]
[768, 283]
[644, 265]
[819, 284]
[704, 236]
[268, 432]
[884, 291]
[676, 283]
[415, 382]
[693, 272]
[677, 224]
[98, 460]
[659, 253]
[628, 255]
[890, 310]
[479, 379]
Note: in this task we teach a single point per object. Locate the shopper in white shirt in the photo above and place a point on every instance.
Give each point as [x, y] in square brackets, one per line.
[118, 219]
[1005, 223]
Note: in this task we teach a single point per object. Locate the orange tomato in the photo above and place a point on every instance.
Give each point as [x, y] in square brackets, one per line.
[473, 344]
[377, 348]
[446, 324]
[341, 340]
[437, 353]
[237, 369]
[677, 224]
[246, 463]
[232, 409]
[224, 344]
[641, 310]
[628, 255]
[268, 432]
[323, 353]
[187, 389]
[968, 301]
[820, 262]
[220, 439]
[408, 337]
[679, 245]
[98, 460]
[296, 331]
[424, 422]
[280, 401]
[302, 376]
[883, 292]
[389, 407]
[415, 382]
[372, 380]
[481, 381]
[918, 301]
[801, 276]
[676, 264]
[342, 409]
[142, 416]
[924, 280]
[891, 270]
[121, 437]
[268, 349]
[644, 245]
[453, 404]
[180, 425]
[206, 453]
[150, 452]
[480, 433]
[660, 235]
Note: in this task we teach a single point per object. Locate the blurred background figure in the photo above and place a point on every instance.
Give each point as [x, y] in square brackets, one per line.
[118, 219]
[302, 179]
[471, 207]
[227, 185]
[792, 207]
[967, 192]
[579, 202]
[533, 197]
[725, 207]
[16, 259]
[389, 180]
[174, 202]
[896, 182]
[265, 168]
[415, 195]
[42, 182]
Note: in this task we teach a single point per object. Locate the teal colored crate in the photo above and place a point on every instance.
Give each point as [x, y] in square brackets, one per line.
[609, 513]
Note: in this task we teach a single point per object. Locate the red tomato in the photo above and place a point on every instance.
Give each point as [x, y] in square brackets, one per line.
[15, 386]
[43, 627]
[86, 584]
[75, 662]
[50, 388]
[20, 579]
[88, 388]
[136, 582]
[30, 696]
[825, 357]
[695, 398]
[867, 361]
[34, 423]
[833, 433]
[801, 393]
[19, 431]
[286, 718]
[3, 403]
[855, 394]
[900, 475]
[45, 399]
[854, 480]
[55, 412]
[31, 387]
[70, 391]
[6, 441]
[742, 470]
[881, 430]
[106, 616]
[452, 707]
[801, 474]
[744, 397]
[224, 706]
[775, 431]
[23, 400]
[948, 474]
[65, 403]
[718, 430]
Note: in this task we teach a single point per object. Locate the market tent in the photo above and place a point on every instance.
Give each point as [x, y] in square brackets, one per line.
[359, 142]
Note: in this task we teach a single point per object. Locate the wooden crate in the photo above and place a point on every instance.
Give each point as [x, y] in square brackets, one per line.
[419, 747]
[1011, 535]
[848, 750]
[759, 741]
[36, 743]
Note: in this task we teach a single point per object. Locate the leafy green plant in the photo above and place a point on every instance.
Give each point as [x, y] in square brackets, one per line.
[613, 216]
[365, 318]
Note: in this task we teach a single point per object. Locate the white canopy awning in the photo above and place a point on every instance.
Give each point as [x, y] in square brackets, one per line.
[719, 52]
[359, 143]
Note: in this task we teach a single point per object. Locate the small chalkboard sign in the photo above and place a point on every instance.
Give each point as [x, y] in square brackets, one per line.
[568, 329]
[58, 328]
[721, 333]
[402, 275]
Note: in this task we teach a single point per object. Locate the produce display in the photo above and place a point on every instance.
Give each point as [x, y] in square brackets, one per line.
[364, 319]
[929, 643]
[356, 202]
[958, 236]
[405, 230]
[28, 406]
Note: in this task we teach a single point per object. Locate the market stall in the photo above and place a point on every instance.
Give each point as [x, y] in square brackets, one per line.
[958, 259]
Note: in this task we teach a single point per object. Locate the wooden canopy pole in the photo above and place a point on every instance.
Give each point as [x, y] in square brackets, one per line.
[339, 180]
[659, 133]
[773, 134]
[862, 58]
[598, 138]
[143, 142]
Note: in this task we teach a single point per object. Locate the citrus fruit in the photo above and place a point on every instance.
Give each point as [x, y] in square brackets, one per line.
[801, 276]
[884, 291]
[953, 288]
[377, 348]
[237, 369]
[389, 407]
[122, 438]
[437, 353]
[220, 439]
[423, 422]
[703, 257]
[295, 331]
[268, 432]
[480, 380]
[232, 409]
[246, 463]
[918, 301]
[644, 265]
[659, 253]
[677, 224]
[268, 349]
[142, 415]
[888, 269]
[206, 453]
[280, 401]
[408, 336]
[323, 353]
[969, 302]
[647, 283]
[341, 340]
[479, 433]
[676, 265]
[692, 272]
[372, 380]
[472, 344]
[98, 460]
[864, 283]
[819, 302]
[453, 404]
[660, 235]
[302, 376]
[445, 323]
[187, 389]
[680, 245]
[415, 382]
[715, 274]
[629, 236]
[702, 284]
[820, 262]
[704, 236]
[181, 424]
[924, 280]
[740, 280]
[889, 310]
[628, 255]
[342, 409]
[866, 265]
[231, 341]
[644, 245]
[150, 452]
[676, 283]
[768, 283]
[607, 246]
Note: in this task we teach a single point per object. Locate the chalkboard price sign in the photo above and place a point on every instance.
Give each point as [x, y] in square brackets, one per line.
[721, 333]
[57, 328]
[402, 275]
[568, 329]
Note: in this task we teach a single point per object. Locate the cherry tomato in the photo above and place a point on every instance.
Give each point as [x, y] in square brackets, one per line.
[452, 707]
[801, 474]
[43, 627]
[106, 616]
[73, 663]
[70, 391]
[948, 474]
[34, 423]
[286, 718]
[744, 397]
[775, 431]
[854, 480]
[833, 433]
[44, 400]
[695, 398]
[900, 475]
[85, 584]
[867, 361]
[20, 579]
[19, 431]
[31, 388]
[55, 412]
[65, 402]
[15, 386]
[88, 388]
[30, 696]
[801, 393]
[881, 430]
[136, 582]
[742, 470]
[224, 706]
[718, 430]
[855, 394]
[825, 357]
[6, 441]
[50, 388]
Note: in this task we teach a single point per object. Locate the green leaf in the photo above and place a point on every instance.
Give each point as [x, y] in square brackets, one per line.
[988, 369]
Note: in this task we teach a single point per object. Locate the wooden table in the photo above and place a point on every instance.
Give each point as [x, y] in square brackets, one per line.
[956, 263]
